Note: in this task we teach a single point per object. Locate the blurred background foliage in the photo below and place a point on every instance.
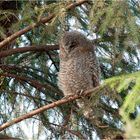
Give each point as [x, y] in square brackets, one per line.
[29, 80]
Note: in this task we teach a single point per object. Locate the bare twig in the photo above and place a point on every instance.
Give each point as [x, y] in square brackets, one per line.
[49, 106]
[53, 62]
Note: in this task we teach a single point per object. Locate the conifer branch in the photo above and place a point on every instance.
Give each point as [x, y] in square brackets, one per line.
[25, 95]
[74, 132]
[47, 107]
[34, 83]
[33, 25]
[41, 48]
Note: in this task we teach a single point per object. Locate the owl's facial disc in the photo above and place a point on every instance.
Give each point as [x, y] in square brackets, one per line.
[69, 46]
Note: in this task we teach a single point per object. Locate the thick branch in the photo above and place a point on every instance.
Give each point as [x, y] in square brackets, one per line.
[45, 48]
[26, 29]
[49, 106]
[33, 25]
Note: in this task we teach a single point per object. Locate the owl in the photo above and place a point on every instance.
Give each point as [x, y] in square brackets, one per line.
[79, 69]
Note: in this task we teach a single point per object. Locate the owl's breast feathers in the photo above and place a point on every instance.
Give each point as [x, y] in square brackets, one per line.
[79, 69]
[78, 73]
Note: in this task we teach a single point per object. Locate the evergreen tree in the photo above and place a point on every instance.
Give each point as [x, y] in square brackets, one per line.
[29, 64]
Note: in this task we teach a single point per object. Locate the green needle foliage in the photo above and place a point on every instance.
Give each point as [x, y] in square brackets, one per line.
[128, 84]
[29, 80]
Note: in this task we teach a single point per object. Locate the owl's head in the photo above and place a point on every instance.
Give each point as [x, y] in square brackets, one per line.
[73, 41]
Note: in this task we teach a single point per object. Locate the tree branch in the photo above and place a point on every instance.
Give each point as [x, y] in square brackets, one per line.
[49, 106]
[53, 62]
[41, 48]
[74, 132]
[30, 81]
[34, 83]
[24, 94]
[33, 25]
[26, 29]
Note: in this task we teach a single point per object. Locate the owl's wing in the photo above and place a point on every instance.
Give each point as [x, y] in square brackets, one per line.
[95, 71]
[95, 79]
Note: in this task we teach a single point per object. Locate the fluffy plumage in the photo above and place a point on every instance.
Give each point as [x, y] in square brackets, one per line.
[79, 68]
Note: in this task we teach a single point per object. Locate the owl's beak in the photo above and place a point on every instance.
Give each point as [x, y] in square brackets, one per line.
[67, 48]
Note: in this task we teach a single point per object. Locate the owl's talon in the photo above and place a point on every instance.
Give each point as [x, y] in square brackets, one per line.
[65, 97]
[80, 92]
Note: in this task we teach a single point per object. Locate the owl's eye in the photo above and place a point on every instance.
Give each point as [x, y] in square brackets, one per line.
[73, 45]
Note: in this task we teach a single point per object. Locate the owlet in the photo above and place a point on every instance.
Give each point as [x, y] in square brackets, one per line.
[79, 69]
